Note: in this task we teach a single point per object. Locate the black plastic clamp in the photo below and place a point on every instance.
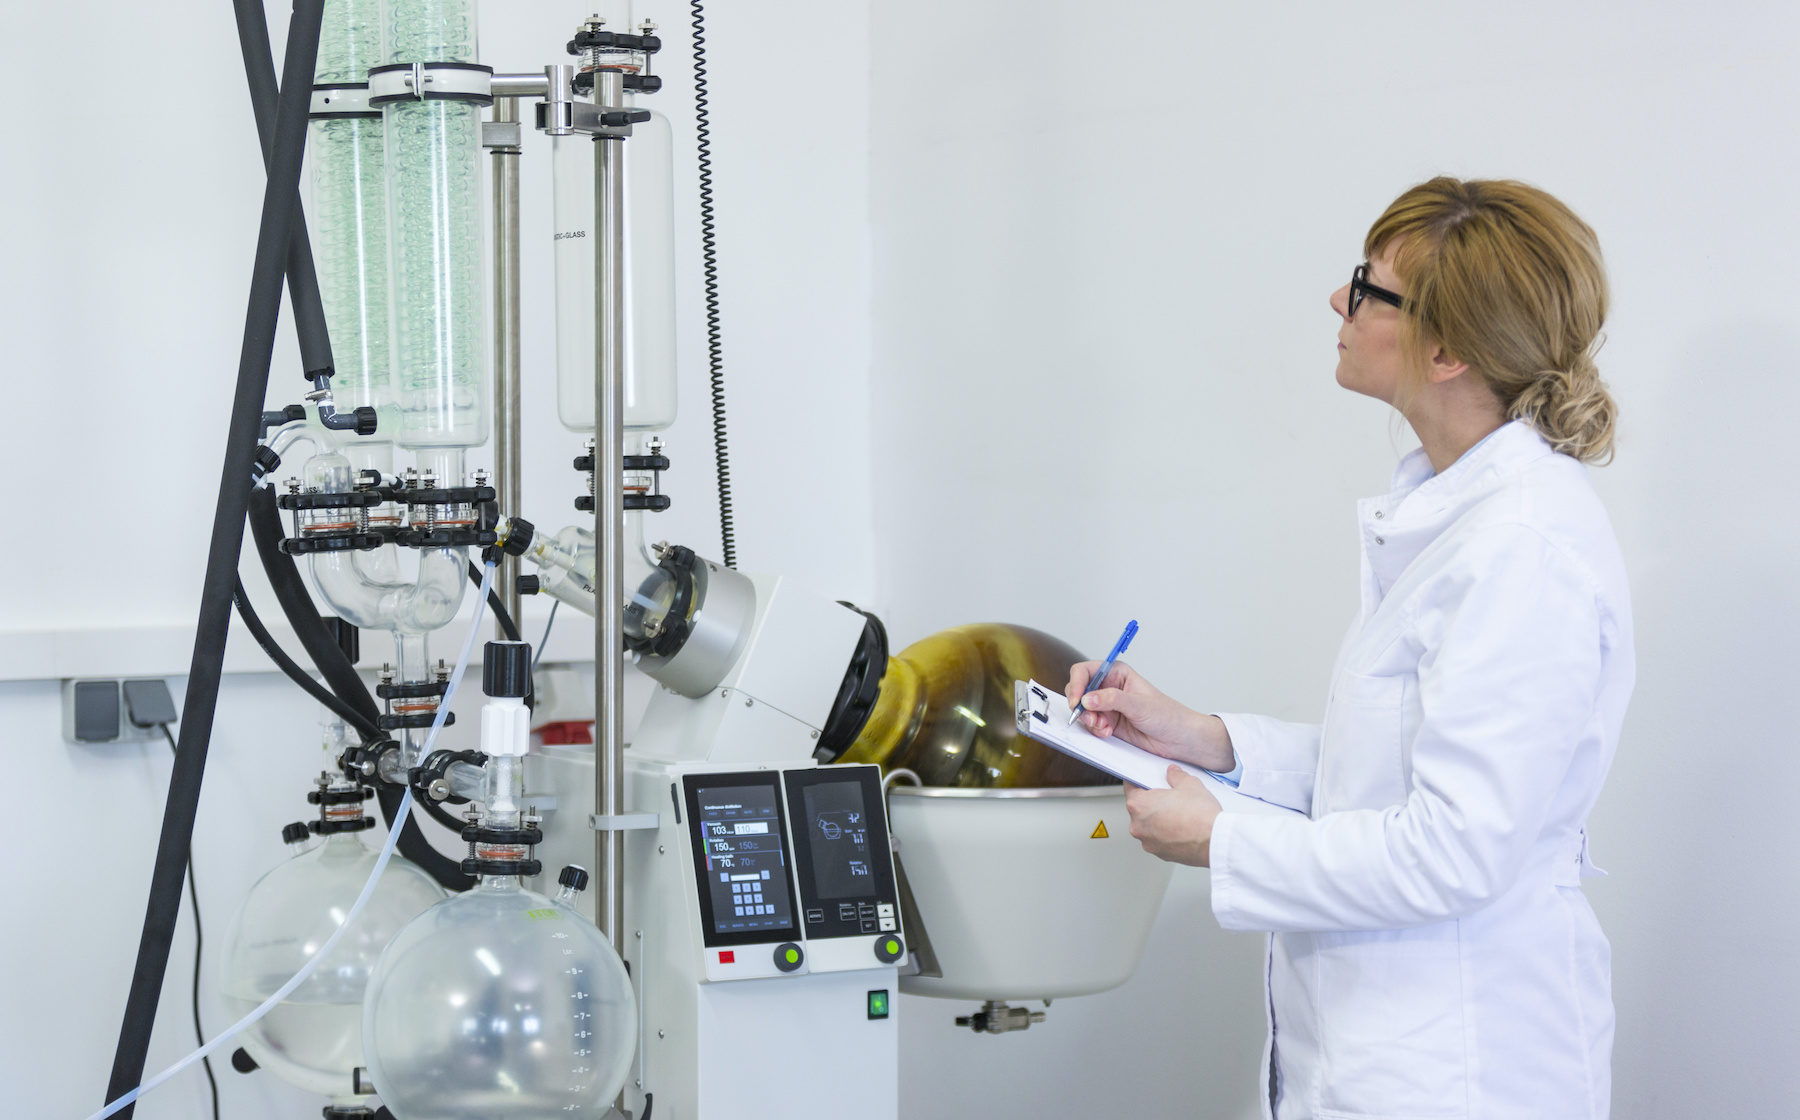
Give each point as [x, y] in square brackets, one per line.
[331, 542]
[614, 40]
[525, 867]
[655, 503]
[436, 765]
[365, 761]
[351, 499]
[634, 83]
[482, 834]
[679, 561]
[412, 691]
[444, 538]
[519, 837]
[446, 496]
[412, 721]
[331, 828]
[339, 796]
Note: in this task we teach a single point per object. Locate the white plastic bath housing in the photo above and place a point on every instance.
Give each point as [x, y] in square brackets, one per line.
[1026, 893]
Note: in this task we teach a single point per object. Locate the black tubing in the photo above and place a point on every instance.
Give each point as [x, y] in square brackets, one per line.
[340, 674]
[280, 196]
[302, 279]
[502, 617]
[294, 672]
[297, 605]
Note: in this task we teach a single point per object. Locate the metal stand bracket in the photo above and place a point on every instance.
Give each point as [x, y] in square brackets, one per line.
[623, 822]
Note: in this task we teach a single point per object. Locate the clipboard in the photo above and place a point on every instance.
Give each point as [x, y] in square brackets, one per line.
[1043, 714]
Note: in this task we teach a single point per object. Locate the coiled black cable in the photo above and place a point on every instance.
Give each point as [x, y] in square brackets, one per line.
[709, 252]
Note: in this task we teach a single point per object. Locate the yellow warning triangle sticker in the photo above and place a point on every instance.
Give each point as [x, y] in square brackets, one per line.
[1099, 832]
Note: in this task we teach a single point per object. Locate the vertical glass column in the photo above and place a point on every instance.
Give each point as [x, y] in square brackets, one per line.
[435, 234]
[349, 209]
[650, 387]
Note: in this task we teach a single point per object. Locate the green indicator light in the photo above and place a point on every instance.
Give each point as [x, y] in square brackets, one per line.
[878, 1004]
[793, 955]
[893, 946]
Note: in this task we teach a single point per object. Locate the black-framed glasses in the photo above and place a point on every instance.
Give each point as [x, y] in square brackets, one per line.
[1360, 287]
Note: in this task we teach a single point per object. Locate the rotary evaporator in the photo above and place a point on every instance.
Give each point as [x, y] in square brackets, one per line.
[802, 825]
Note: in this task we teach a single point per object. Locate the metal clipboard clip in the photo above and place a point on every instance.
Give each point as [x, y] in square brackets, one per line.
[1030, 702]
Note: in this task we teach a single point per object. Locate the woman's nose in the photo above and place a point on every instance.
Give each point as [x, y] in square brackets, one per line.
[1340, 302]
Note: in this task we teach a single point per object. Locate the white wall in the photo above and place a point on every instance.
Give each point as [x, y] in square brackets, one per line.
[1104, 237]
[124, 264]
[1116, 225]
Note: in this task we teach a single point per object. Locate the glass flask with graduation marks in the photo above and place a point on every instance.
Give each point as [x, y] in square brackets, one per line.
[500, 1004]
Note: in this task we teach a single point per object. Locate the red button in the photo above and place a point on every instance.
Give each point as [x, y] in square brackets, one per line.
[727, 956]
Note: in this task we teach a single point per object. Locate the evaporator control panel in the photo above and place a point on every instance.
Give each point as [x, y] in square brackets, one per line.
[797, 861]
[741, 857]
[841, 850]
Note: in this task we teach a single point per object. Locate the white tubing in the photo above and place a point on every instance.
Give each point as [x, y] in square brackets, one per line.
[381, 862]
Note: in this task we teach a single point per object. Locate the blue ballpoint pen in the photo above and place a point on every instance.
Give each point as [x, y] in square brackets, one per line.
[1099, 677]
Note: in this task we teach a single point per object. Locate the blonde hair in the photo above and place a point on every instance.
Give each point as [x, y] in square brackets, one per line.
[1509, 281]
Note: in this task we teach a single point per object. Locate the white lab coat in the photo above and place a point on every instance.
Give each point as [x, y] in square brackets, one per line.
[1432, 955]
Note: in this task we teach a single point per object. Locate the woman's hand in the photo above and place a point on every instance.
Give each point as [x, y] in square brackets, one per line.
[1175, 824]
[1129, 707]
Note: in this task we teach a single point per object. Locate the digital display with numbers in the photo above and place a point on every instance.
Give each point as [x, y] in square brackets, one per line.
[740, 858]
[837, 825]
[842, 855]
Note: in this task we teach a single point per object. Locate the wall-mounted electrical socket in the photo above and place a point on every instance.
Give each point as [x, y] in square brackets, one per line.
[101, 711]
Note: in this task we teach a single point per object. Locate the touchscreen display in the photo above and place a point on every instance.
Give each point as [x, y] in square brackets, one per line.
[838, 827]
[746, 875]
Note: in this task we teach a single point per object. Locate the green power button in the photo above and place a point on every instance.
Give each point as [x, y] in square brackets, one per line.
[793, 956]
[878, 1004]
[893, 947]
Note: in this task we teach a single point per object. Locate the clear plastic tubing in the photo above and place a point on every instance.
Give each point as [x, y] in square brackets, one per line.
[435, 234]
[349, 209]
[649, 276]
[401, 816]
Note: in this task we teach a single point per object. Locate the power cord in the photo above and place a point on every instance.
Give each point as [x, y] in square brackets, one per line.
[545, 640]
[148, 704]
[709, 256]
[194, 899]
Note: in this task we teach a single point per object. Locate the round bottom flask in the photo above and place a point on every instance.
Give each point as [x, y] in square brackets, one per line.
[313, 1039]
[499, 1004]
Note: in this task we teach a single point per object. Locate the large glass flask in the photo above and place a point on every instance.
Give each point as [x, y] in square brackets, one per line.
[650, 394]
[497, 1003]
[314, 1039]
[945, 711]
[435, 232]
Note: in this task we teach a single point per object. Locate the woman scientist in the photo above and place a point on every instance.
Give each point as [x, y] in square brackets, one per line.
[1431, 954]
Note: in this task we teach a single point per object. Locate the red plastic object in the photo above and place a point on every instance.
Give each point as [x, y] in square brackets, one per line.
[566, 731]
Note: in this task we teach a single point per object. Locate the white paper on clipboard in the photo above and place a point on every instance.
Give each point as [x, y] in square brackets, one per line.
[1043, 714]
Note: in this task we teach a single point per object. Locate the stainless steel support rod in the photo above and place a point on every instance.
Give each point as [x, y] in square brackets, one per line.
[506, 347]
[520, 85]
[609, 513]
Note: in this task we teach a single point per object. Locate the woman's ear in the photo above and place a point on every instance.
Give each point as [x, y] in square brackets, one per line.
[1443, 367]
